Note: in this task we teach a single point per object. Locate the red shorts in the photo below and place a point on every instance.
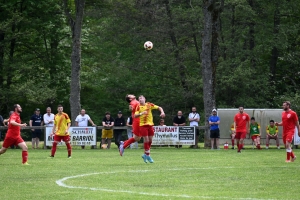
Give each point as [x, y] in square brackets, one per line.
[146, 131]
[240, 135]
[288, 137]
[8, 141]
[253, 137]
[136, 128]
[58, 138]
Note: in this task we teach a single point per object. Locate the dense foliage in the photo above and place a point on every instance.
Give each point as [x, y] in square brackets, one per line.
[257, 67]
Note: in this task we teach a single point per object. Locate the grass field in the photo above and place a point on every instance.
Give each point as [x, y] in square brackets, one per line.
[176, 174]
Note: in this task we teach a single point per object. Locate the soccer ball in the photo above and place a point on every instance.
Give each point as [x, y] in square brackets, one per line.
[104, 146]
[148, 45]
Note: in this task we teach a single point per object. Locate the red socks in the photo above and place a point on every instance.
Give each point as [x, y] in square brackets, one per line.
[24, 156]
[232, 143]
[128, 142]
[53, 150]
[147, 148]
[69, 148]
[292, 155]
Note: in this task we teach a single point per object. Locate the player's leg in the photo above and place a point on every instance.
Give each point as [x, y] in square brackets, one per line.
[24, 148]
[289, 140]
[267, 141]
[232, 135]
[136, 132]
[147, 142]
[67, 139]
[258, 142]
[56, 140]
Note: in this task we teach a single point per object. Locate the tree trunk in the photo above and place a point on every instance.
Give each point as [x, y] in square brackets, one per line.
[251, 36]
[76, 26]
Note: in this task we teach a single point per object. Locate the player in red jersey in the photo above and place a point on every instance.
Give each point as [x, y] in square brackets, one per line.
[13, 135]
[289, 121]
[241, 127]
[133, 104]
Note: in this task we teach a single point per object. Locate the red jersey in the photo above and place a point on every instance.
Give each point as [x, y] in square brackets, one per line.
[134, 104]
[289, 120]
[14, 131]
[241, 121]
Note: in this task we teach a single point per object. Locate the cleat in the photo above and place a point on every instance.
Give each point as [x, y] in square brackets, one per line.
[239, 151]
[51, 157]
[25, 163]
[232, 147]
[121, 148]
[144, 157]
[293, 159]
[69, 157]
[278, 147]
[267, 147]
[287, 161]
[150, 159]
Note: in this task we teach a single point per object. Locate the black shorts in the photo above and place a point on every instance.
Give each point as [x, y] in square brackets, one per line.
[215, 133]
[36, 133]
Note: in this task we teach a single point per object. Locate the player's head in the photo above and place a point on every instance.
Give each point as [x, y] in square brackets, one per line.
[82, 112]
[286, 105]
[194, 109]
[60, 108]
[48, 110]
[252, 120]
[272, 122]
[142, 99]
[129, 97]
[241, 109]
[17, 108]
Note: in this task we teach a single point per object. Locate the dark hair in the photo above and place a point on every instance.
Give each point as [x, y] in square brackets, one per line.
[241, 106]
[107, 113]
[59, 105]
[272, 120]
[127, 98]
[288, 103]
[15, 106]
[252, 118]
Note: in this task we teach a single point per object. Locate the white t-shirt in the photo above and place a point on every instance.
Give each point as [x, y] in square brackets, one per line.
[47, 118]
[194, 116]
[83, 120]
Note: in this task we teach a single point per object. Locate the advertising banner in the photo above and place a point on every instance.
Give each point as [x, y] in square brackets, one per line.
[173, 135]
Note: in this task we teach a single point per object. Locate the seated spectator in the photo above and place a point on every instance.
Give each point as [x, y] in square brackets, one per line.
[272, 133]
[179, 120]
[255, 132]
[130, 134]
[107, 133]
[162, 122]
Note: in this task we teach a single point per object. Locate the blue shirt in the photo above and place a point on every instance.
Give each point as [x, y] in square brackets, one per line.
[214, 119]
[36, 120]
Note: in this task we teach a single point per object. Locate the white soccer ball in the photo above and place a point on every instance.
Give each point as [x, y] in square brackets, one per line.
[148, 45]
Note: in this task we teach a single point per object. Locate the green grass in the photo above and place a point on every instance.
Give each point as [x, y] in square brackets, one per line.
[176, 174]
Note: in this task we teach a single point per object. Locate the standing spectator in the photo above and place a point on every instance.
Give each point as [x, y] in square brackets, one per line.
[194, 119]
[241, 127]
[144, 112]
[13, 136]
[255, 132]
[60, 130]
[36, 120]
[272, 133]
[107, 133]
[48, 117]
[130, 134]
[119, 121]
[179, 120]
[214, 122]
[289, 121]
[82, 120]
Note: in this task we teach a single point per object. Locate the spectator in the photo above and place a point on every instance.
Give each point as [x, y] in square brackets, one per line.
[36, 120]
[48, 117]
[179, 120]
[119, 121]
[107, 133]
[161, 122]
[214, 122]
[255, 132]
[130, 134]
[194, 119]
[82, 120]
[272, 133]
[241, 127]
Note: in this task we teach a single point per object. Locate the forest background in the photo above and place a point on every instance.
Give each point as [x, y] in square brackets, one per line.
[257, 65]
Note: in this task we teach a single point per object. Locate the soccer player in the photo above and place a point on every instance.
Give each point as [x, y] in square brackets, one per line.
[144, 112]
[289, 121]
[13, 135]
[60, 130]
[241, 127]
[272, 133]
[133, 104]
[255, 132]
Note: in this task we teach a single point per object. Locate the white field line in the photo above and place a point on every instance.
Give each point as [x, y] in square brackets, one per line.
[61, 183]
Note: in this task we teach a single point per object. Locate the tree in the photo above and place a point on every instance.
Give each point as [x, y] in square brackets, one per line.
[76, 26]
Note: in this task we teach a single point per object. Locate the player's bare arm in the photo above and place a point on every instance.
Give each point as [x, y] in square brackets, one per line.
[67, 130]
[298, 127]
[53, 130]
[162, 113]
[278, 123]
[17, 124]
[234, 127]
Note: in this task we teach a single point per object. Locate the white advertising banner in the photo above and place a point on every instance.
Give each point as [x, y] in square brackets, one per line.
[80, 136]
[173, 135]
[296, 137]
